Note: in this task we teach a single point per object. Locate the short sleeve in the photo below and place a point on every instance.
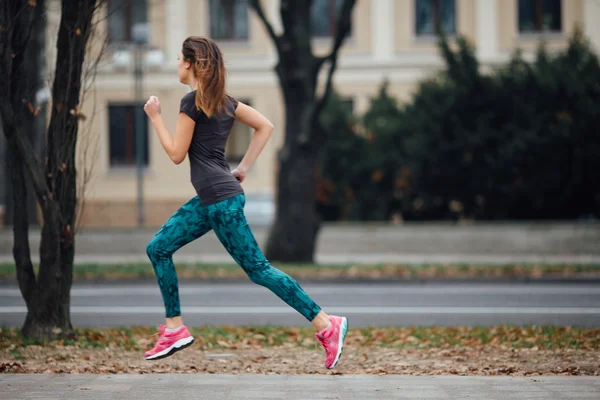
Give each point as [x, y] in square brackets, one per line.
[232, 102]
[188, 106]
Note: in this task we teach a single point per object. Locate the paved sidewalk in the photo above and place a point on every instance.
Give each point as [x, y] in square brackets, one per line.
[304, 387]
[413, 243]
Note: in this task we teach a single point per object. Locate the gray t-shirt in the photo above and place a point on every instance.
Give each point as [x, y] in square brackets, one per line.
[210, 172]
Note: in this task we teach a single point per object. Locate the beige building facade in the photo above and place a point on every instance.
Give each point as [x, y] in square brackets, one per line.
[390, 39]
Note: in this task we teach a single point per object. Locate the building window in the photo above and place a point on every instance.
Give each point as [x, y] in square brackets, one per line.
[429, 14]
[238, 141]
[229, 19]
[122, 16]
[323, 16]
[537, 16]
[122, 134]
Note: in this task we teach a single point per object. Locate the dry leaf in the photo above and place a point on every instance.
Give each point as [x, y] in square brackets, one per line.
[33, 3]
[77, 112]
[78, 31]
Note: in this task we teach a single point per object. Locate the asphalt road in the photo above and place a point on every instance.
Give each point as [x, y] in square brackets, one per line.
[364, 304]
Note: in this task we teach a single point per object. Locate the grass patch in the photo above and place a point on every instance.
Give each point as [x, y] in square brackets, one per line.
[314, 271]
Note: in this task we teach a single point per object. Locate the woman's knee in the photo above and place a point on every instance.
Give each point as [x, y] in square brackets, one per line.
[155, 250]
[259, 274]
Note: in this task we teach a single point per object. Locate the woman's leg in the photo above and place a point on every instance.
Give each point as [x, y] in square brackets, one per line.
[229, 223]
[187, 224]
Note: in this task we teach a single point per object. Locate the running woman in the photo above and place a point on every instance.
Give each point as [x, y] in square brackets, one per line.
[206, 116]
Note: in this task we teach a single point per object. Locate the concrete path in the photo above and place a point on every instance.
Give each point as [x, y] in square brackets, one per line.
[301, 387]
[365, 304]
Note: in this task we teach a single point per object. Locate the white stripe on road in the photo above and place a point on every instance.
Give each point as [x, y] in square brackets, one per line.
[366, 289]
[332, 309]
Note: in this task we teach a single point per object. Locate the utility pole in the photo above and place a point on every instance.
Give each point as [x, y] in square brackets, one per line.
[140, 41]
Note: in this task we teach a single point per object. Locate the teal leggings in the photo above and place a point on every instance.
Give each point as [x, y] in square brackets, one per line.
[227, 219]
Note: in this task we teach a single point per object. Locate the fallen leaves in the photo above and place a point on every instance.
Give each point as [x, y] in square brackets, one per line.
[497, 350]
[12, 367]
[77, 113]
[279, 360]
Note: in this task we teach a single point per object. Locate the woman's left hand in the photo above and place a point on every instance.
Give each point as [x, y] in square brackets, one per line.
[152, 107]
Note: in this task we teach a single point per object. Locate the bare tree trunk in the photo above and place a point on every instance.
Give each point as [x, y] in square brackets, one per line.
[54, 181]
[296, 225]
[294, 232]
[57, 247]
[16, 18]
[32, 69]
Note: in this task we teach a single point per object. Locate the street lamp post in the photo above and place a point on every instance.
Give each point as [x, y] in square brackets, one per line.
[140, 41]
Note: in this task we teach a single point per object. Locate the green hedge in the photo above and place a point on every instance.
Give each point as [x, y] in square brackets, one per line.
[521, 142]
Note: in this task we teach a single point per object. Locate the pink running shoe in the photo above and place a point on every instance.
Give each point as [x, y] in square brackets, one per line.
[170, 343]
[332, 340]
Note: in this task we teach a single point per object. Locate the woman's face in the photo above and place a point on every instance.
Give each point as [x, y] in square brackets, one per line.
[183, 69]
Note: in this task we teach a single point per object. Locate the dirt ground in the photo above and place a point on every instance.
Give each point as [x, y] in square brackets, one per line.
[289, 359]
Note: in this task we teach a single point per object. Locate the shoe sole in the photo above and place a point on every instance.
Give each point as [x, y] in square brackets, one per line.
[175, 347]
[341, 338]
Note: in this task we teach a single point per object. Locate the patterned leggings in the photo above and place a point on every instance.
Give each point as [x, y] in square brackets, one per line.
[227, 219]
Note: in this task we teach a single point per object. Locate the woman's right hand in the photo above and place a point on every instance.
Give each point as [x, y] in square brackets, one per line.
[152, 107]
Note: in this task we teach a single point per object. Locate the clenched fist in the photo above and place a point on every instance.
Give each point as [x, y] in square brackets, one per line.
[152, 107]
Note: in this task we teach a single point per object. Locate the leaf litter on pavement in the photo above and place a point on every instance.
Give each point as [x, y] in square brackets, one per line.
[500, 350]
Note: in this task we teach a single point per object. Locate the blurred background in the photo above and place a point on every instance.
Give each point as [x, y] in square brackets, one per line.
[494, 128]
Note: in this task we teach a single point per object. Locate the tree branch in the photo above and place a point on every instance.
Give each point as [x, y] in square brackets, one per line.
[87, 142]
[257, 7]
[344, 24]
[288, 12]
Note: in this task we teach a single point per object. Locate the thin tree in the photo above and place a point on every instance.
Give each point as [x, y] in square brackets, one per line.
[54, 178]
[33, 69]
[294, 231]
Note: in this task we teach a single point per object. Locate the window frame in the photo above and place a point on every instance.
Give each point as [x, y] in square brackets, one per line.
[435, 5]
[127, 23]
[538, 20]
[126, 166]
[332, 17]
[229, 38]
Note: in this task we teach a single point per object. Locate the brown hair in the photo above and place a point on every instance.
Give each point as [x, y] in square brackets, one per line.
[209, 69]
